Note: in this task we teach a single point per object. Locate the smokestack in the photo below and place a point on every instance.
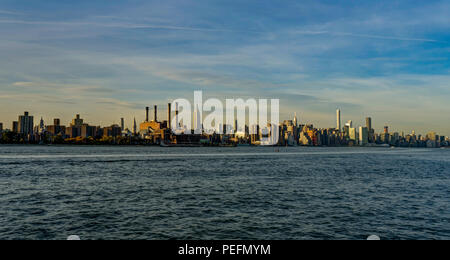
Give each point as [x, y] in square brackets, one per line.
[169, 116]
[176, 115]
[147, 109]
[156, 113]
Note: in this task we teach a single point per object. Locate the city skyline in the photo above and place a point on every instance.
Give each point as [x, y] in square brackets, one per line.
[389, 61]
[131, 122]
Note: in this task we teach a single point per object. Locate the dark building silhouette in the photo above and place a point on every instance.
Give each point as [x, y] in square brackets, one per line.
[25, 124]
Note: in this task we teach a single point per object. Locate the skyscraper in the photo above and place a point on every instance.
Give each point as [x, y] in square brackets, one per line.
[338, 115]
[1, 127]
[77, 121]
[295, 120]
[370, 129]
[134, 127]
[363, 135]
[25, 124]
[197, 121]
[353, 134]
[122, 124]
[41, 128]
[15, 127]
[369, 123]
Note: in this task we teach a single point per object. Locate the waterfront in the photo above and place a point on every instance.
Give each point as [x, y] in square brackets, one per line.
[101, 192]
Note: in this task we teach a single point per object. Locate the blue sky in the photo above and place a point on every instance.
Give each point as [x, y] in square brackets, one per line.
[109, 59]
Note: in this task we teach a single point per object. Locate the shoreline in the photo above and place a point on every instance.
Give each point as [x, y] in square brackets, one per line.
[216, 146]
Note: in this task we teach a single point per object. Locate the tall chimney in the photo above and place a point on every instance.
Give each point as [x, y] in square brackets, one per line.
[156, 113]
[147, 109]
[169, 116]
[176, 115]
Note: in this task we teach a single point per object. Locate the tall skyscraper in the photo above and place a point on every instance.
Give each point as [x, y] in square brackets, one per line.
[122, 124]
[338, 115]
[369, 123]
[134, 127]
[197, 121]
[295, 120]
[25, 124]
[41, 128]
[370, 129]
[363, 136]
[1, 127]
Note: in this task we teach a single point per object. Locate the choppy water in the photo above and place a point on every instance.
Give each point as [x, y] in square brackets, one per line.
[223, 193]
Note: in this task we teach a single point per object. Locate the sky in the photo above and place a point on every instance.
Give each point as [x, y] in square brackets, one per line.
[109, 59]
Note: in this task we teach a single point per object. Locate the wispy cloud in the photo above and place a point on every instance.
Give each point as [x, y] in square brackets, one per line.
[124, 25]
[6, 12]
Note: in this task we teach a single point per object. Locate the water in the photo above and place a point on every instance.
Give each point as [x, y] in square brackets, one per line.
[223, 193]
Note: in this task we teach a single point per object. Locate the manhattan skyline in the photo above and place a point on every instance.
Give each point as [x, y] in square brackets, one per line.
[386, 60]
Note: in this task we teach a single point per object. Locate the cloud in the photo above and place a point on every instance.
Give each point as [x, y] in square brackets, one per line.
[6, 12]
[23, 84]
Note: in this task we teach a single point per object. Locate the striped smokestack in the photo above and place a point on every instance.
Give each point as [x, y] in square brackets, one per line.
[156, 114]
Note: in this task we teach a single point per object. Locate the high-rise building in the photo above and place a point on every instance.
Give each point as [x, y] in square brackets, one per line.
[25, 124]
[353, 134]
[197, 121]
[41, 128]
[369, 123]
[338, 115]
[56, 128]
[370, 129]
[295, 120]
[112, 131]
[77, 121]
[134, 127]
[122, 124]
[15, 127]
[1, 127]
[349, 123]
[363, 136]
[432, 136]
